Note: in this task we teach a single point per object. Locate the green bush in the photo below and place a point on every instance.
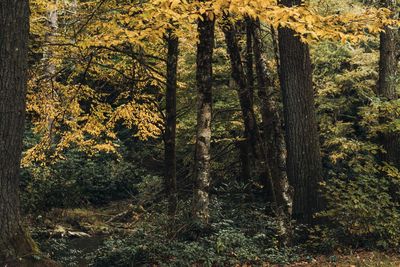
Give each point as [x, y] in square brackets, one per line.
[361, 210]
[79, 180]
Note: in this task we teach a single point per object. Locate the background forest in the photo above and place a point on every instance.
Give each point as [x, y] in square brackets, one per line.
[203, 133]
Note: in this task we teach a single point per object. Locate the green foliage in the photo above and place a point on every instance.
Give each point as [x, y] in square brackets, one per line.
[236, 235]
[62, 252]
[78, 181]
[361, 210]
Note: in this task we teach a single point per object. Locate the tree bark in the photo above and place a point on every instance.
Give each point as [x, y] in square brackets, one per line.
[14, 28]
[16, 246]
[250, 123]
[388, 83]
[170, 123]
[245, 162]
[205, 48]
[50, 67]
[304, 167]
[272, 128]
[250, 57]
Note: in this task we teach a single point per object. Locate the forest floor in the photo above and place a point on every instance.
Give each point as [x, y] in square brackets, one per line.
[357, 259]
[87, 228]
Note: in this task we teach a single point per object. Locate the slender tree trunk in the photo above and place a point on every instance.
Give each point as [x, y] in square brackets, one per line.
[245, 162]
[204, 108]
[250, 57]
[245, 157]
[388, 84]
[50, 66]
[304, 166]
[273, 132]
[170, 123]
[251, 128]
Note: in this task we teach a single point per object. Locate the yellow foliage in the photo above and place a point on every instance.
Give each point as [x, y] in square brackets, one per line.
[110, 41]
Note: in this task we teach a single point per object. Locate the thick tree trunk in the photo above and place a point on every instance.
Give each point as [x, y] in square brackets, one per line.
[388, 85]
[250, 123]
[272, 128]
[304, 166]
[16, 246]
[170, 123]
[14, 28]
[204, 108]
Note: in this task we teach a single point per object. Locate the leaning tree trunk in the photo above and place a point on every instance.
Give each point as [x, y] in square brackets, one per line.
[272, 128]
[205, 47]
[388, 83]
[251, 128]
[250, 57]
[304, 166]
[170, 123]
[245, 163]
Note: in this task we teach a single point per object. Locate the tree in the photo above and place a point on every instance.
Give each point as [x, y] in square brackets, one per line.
[252, 130]
[16, 246]
[170, 122]
[388, 82]
[304, 166]
[206, 27]
[14, 28]
[272, 128]
[50, 66]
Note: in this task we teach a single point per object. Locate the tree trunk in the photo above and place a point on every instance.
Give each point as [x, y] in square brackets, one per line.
[16, 246]
[170, 124]
[204, 108]
[14, 28]
[388, 83]
[272, 128]
[50, 67]
[250, 123]
[245, 163]
[304, 166]
[250, 57]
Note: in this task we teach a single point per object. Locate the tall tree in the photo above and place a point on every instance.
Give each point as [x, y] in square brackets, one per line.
[206, 27]
[250, 56]
[252, 131]
[14, 29]
[388, 84]
[170, 122]
[50, 66]
[272, 127]
[304, 166]
[16, 246]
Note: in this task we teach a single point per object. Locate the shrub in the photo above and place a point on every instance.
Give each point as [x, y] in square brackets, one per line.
[78, 181]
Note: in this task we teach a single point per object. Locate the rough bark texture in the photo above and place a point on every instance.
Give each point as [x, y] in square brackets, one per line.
[170, 124]
[304, 166]
[250, 57]
[16, 246]
[13, 65]
[251, 128]
[388, 82]
[272, 129]
[203, 131]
